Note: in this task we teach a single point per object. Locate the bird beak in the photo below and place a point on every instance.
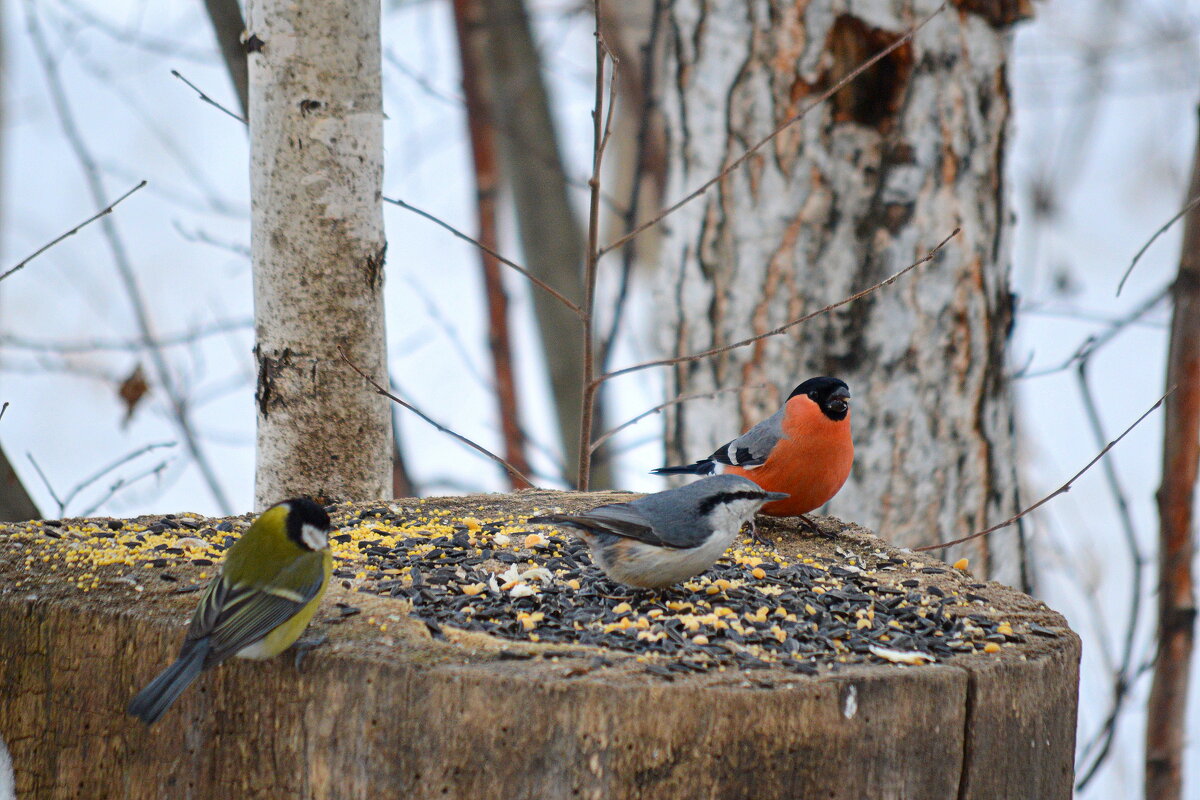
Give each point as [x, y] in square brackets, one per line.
[839, 400]
[773, 496]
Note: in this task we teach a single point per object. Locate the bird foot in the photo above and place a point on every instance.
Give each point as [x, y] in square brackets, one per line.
[305, 646]
[815, 528]
[757, 537]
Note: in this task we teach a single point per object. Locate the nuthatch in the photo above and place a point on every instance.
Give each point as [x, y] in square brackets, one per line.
[664, 538]
[803, 449]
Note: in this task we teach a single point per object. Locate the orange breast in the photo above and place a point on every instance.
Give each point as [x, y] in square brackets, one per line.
[811, 463]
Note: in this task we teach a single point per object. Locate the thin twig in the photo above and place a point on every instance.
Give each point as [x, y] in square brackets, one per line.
[62, 347]
[737, 162]
[106, 210]
[1137, 257]
[662, 362]
[46, 482]
[646, 114]
[681, 399]
[1122, 678]
[125, 271]
[1095, 341]
[3, 409]
[198, 235]
[1066, 487]
[120, 462]
[513, 471]
[541, 284]
[124, 483]
[208, 99]
[601, 128]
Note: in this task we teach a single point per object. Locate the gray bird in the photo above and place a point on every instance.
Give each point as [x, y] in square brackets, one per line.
[670, 536]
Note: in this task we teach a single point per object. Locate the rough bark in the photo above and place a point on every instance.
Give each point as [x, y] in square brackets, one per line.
[316, 130]
[396, 713]
[1166, 713]
[551, 237]
[861, 187]
[468, 19]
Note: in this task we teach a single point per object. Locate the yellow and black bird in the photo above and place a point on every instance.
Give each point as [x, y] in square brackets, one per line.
[269, 588]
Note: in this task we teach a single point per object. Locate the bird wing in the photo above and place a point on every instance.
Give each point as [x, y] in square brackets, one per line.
[234, 616]
[618, 519]
[753, 447]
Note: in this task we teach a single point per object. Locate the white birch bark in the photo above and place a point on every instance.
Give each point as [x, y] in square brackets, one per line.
[860, 188]
[316, 141]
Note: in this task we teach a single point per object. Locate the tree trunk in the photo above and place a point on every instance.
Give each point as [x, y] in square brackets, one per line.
[226, 19]
[1166, 725]
[551, 237]
[861, 187]
[316, 141]
[468, 18]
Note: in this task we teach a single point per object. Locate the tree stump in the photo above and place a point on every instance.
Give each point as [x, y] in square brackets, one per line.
[404, 699]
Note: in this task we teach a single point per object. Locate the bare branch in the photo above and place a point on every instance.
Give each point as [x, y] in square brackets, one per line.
[1066, 487]
[1122, 680]
[228, 25]
[108, 209]
[591, 257]
[1137, 256]
[536, 280]
[662, 362]
[46, 482]
[513, 471]
[198, 235]
[681, 399]
[1094, 342]
[63, 347]
[120, 462]
[208, 99]
[124, 483]
[141, 309]
[737, 162]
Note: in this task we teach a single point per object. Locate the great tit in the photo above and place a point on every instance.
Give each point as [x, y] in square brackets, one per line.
[269, 588]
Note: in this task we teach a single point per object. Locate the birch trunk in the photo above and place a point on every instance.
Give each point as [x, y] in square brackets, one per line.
[861, 187]
[316, 142]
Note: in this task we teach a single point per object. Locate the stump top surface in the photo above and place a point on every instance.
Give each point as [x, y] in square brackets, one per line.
[465, 582]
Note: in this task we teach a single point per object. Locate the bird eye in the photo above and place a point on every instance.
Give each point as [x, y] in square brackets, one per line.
[813, 395]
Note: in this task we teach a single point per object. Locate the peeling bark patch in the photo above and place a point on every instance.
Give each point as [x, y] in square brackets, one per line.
[873, 98]
[998, 13]
[268, 369]
[373, 267]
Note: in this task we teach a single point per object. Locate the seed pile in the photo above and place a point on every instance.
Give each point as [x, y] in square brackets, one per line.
[754, 609]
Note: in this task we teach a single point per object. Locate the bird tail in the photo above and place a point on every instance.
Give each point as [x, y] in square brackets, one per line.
[153, 701]
[705, 467]
[550, 519]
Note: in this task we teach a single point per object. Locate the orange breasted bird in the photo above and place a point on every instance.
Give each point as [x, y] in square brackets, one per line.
[803, 449]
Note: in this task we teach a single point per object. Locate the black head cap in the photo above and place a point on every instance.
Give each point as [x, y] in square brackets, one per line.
[303, 511]
[831, 394]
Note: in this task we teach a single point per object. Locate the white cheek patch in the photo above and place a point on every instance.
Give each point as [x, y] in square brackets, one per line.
[314, 538]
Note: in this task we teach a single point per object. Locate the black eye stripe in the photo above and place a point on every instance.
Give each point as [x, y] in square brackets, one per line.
[710, 503]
